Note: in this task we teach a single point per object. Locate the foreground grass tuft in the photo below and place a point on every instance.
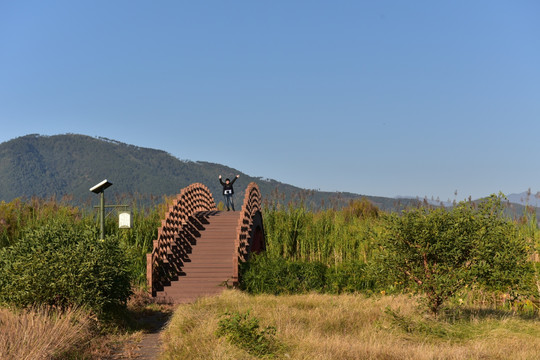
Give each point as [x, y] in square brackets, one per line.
[243, 330]
[316, 326]
[42, 333]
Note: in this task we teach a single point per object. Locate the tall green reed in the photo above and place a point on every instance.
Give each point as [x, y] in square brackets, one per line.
[20, 214]
[329, 236]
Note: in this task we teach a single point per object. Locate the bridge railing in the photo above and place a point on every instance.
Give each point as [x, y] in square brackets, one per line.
[193, 199]
[249, 226]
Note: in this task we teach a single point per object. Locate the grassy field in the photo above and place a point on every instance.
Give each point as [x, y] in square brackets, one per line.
[317, 326]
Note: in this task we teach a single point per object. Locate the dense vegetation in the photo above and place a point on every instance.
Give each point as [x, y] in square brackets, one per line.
[436, 252]
[68, 165]
[432, 251]
[50, 255]
[454, 259]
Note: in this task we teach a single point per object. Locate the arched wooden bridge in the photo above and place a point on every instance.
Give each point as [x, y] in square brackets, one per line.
[199, 248]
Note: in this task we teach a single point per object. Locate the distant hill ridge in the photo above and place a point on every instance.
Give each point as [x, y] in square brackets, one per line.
[69, 164]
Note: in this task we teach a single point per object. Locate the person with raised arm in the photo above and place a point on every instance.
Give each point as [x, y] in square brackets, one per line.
[228, 191]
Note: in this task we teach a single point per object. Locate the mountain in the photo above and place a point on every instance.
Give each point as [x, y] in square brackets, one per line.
[68, 165]
[525, 198]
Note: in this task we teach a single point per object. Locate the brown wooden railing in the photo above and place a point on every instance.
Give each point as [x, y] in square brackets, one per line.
[250, 231]
[192, 200]
[186, 219]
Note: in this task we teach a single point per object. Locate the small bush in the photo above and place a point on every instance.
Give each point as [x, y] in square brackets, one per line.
[274, 275]
[63, 264]
[362, 208]
[349, 277]
[305, 277]
[243, 330]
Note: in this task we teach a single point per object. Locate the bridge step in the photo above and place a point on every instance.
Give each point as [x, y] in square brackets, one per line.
[207, 263]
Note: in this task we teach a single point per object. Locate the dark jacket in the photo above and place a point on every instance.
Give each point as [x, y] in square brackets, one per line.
[228, 186]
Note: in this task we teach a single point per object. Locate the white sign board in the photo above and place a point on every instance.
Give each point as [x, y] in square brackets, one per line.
[124, 220]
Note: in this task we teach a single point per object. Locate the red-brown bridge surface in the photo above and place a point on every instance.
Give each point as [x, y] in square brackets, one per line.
[198, 248]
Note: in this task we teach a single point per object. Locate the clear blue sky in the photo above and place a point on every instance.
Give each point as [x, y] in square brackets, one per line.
[384, 98]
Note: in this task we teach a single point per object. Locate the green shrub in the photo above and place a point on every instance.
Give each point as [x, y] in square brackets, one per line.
[362, 208]
[243, 330]
[275, 275]
[438, 252]
[262, 274]
[348, 278]
[63, 264]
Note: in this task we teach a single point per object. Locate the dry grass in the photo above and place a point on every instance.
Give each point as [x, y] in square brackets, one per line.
[42, 334]
[73, 334]
[353, 327]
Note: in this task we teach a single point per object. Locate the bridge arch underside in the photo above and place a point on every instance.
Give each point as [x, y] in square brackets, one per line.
[199, 248]
[256, 240]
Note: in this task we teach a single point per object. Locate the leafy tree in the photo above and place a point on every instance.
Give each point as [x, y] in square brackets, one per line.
[437, 252]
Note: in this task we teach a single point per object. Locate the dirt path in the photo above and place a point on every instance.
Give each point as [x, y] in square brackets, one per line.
[150, 345]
